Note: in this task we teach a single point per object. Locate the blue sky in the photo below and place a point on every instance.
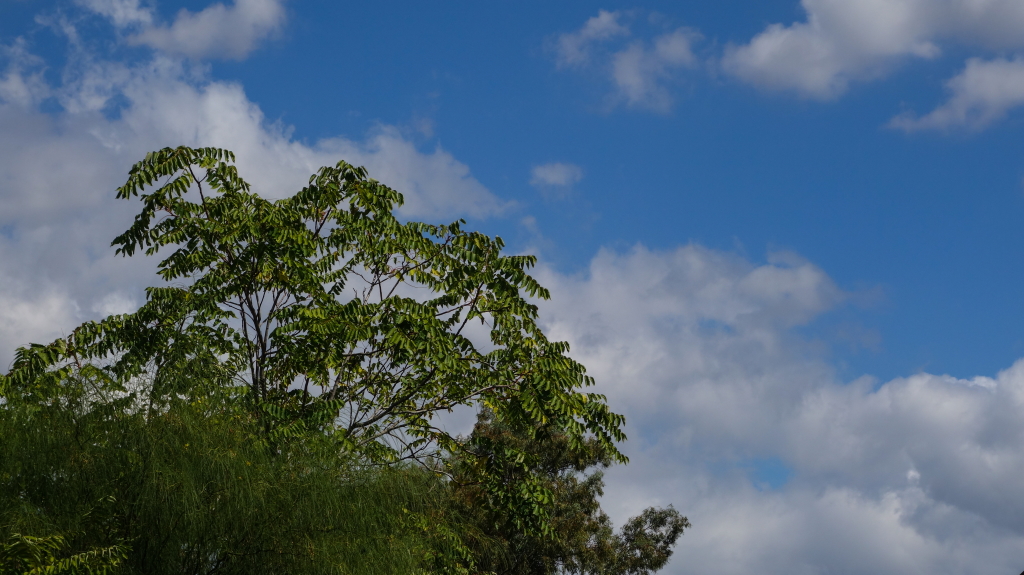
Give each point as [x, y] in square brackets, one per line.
[724, 165]
[922, 219]
[779, 208]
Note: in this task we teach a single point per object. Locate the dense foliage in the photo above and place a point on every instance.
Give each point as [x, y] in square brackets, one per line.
[582, 539]
[272, 407]
[189, 490]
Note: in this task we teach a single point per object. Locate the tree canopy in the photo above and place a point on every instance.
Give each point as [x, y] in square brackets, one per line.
[312, 340]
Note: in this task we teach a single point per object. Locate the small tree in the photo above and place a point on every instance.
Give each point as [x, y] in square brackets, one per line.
[582, 540]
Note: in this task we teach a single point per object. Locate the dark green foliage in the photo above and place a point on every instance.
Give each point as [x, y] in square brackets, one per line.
[581, 539]
[191, 490]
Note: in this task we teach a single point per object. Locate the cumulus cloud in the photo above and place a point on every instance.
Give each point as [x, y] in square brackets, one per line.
[555, 174]
[640, 71]
[983, 93]
[842, 42]
[58, 172]
[217, 31]
[700, 350]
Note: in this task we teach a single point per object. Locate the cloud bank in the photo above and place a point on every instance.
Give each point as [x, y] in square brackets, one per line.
[699, 349]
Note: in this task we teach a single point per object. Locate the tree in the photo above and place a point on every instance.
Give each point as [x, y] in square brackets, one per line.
[581, 540]
[319, 323]
[328, 309]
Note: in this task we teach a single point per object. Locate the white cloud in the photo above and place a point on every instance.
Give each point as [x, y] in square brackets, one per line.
[58, 173]
[697, 348]
[574, 48]
[555, 174]
[639, 70]
[983, 93]
[217, 31]
[842, 42]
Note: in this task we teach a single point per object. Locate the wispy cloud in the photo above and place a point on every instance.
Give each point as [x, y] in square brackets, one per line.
[640, 70]
[574, 48]
[555, 174]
